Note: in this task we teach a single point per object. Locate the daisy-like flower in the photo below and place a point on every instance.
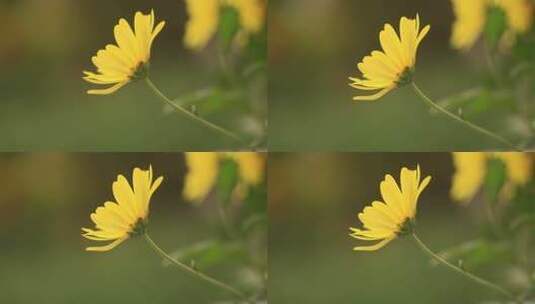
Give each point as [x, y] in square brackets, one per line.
[203, 170]
[384, 221]
[117, 221]
[119, 64]
[471, 16]
[471, 169]
[204, 19]
[384, 70]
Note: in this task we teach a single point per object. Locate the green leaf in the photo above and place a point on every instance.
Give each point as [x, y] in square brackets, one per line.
[229, 24]
[495, 26]
[208, 253]
[477, 253]
[227, 180]
[495, 178]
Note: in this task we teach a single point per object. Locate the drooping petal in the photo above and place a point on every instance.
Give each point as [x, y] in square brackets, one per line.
[108, 247]
[374, 247]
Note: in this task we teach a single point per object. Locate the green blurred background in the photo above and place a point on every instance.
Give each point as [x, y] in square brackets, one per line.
[315, 45]
[47, 198]
[315, 197]
[43, 105]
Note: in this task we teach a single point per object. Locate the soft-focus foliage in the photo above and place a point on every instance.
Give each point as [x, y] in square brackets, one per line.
[471, 169]
[204, 168]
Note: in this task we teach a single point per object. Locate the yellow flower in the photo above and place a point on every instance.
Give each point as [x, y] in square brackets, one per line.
[384, 221]
[202, 23]
[117, 221]
[470, 18]
[202, 174]
[118, 64]
[384, 70]
[471, 169]
[203, 169]
[204, 19]
[519, 14]
[250, 165]
[251, 14]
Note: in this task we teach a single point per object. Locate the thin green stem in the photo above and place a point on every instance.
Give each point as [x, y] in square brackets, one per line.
[193, 271]
[457, 118]
[190, 115]
[463, 272]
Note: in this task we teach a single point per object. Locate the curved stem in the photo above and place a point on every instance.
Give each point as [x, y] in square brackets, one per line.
[193, 271]
[190, 115]
[459, 270]
[457, 118]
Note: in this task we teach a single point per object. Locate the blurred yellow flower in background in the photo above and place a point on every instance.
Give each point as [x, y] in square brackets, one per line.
[202, 174]
[117, 221]
[471, 16]
[384, 221]
[203, 170]
[118, 64]
[469, 22]
[471, 169]
[204, 18]
[202, 24]
[385, 70]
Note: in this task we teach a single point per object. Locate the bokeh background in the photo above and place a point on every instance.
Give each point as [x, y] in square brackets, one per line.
[315, 45]
[43, 105]
[313, 200]
[48, 197]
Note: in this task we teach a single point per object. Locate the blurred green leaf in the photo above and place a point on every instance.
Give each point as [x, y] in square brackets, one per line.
[208, 253]
[254, 221]
[477, 253]
[495, 26]
[227, 180]
[495, 178]
[229, 24]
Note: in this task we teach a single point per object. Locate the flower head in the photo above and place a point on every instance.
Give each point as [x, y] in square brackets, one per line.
[471, 16]
[384, 221]
[204, 18]
[118, 64]
[471, 169]
[203, 170]
[117, 221]
[384, 70]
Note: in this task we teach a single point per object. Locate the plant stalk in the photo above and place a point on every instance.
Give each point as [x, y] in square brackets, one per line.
[457, 118]
[463, 272]
[195, 272]
[189, 114]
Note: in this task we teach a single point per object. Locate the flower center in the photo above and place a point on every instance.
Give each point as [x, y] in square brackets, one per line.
[407, 227]
[141, 71]
[139, 228]
[405, 77]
